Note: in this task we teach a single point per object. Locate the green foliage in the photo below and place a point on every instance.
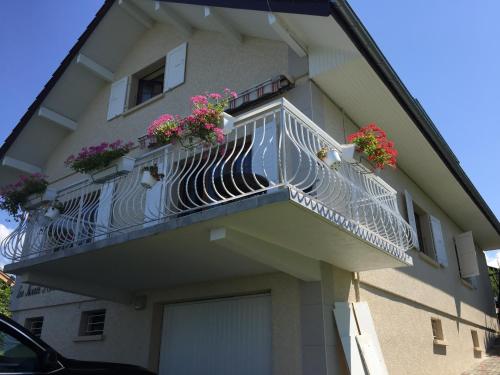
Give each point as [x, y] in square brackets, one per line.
[93, 158]
[5, 291]
[494, 280]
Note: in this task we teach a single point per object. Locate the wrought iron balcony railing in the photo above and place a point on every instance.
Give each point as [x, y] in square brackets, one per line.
[272, 147]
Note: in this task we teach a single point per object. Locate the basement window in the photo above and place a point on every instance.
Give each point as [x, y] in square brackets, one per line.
[147, 83]
[34, 325]
[437, 331]
[475, 340]
[92, 322]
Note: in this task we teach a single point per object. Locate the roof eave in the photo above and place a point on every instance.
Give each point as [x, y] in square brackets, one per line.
[352, 26]
[55, 77]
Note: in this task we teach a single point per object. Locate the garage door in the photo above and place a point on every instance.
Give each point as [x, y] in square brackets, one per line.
[230, 336]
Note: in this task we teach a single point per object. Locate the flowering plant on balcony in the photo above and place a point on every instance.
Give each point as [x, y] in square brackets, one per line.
[14, 196]
[373, 142]
[97, 157]
[201, 126]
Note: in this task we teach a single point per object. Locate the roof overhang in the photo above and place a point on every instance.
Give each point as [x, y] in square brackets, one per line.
[356, 76]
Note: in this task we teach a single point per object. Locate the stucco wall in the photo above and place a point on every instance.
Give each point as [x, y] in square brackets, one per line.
[405, 334]
[212, 63]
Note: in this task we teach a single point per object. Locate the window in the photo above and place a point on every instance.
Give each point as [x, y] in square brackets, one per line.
[92, 323]
[424, 233]
[34, 325]
[437, 331]
[16, 357]
[150, 85]
[147, 83]
[430, 238]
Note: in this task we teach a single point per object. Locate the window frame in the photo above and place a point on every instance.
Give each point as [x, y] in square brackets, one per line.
[84, 323]
[28, 325]
[134, 88]
[438, 332]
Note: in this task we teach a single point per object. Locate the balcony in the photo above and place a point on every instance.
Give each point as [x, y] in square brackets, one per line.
[261, 201]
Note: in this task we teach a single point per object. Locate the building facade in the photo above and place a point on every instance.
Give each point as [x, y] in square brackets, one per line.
[254, 256]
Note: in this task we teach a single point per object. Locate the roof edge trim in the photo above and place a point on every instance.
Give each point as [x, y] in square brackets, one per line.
[343, 13]
[55, 77]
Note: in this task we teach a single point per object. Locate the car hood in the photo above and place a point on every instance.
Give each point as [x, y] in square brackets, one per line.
[104, 368]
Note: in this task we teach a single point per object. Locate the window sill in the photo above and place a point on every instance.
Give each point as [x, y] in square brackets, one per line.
[143, 104]
[440, 342]
[88, 338]
[467, 284]
[429, 260]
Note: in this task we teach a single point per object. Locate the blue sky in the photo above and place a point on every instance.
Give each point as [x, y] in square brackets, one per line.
[446, 52]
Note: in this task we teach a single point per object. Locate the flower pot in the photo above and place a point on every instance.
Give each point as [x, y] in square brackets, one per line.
[227, 123]
[52, 212]
[120, 166]
[36, 200]
[348, 152]
[332, 158]
[148, 180]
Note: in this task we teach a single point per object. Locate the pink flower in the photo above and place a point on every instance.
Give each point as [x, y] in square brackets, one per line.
[215, 96]
[199, 99]
[155, 124]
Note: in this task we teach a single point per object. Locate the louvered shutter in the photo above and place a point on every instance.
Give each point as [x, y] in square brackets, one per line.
[175, 67]
[438, 241]
[467, 257]
[411, 217]
[117, 98]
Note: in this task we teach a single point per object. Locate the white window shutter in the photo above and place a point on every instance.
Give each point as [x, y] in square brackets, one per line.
[467, 257]
[438, 241]
[411, 217]
[175, 67]
[117, 98]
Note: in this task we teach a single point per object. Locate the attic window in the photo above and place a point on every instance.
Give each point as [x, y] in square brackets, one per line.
[147, 83]
[150, 85]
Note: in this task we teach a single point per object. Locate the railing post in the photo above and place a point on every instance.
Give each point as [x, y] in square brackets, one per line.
[281, 145]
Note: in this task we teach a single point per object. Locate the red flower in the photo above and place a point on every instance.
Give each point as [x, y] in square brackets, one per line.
[373, 141]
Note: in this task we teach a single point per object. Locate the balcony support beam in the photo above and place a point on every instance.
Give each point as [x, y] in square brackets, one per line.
[95, 68]
[80, 287]
[166, 13]
[57, 119]
[20, 165]
[284, 260]
[212, 15]
[136, 14]
[285, 34]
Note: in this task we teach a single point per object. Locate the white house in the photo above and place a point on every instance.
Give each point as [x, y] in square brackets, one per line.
[252, 256]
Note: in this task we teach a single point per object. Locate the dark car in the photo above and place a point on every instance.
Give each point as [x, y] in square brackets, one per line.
[23, 353]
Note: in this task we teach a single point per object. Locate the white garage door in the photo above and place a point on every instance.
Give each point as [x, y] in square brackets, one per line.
[230, 336]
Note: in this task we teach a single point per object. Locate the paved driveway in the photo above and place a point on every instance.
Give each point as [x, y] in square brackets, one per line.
[490, 366]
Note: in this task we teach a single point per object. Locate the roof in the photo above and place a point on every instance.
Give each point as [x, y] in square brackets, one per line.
[6, 278]
[352, 26]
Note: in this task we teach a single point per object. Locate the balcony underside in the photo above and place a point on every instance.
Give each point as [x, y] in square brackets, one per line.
[275, 231]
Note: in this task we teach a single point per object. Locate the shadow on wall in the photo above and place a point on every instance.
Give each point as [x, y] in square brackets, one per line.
[490, 337]
[439, 349]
